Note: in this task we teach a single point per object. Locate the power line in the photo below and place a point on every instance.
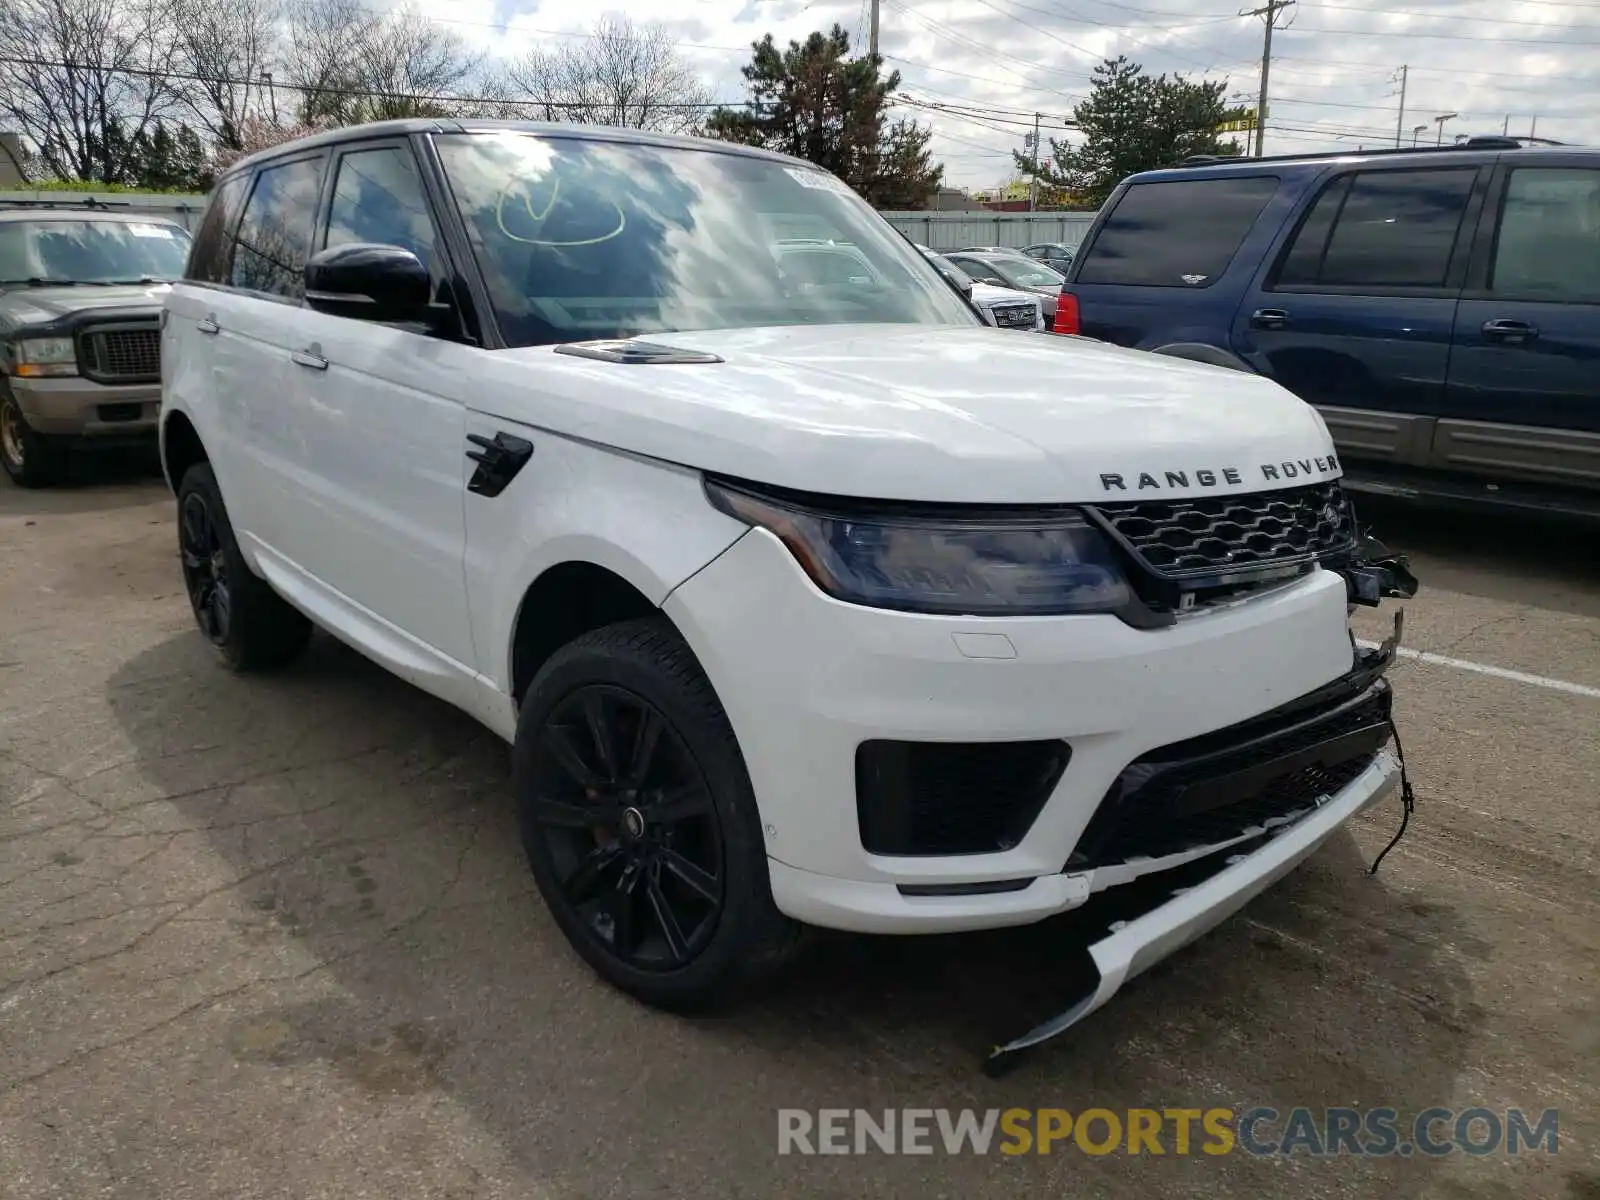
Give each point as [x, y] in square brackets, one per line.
[1461, 37]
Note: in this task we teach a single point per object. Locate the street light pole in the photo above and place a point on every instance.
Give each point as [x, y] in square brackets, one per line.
[1416, 131]
[1440, 121]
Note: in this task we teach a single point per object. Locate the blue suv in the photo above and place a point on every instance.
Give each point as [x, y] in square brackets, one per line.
[1441, 308]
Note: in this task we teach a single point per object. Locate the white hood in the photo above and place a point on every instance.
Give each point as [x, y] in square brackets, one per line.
[964, 414]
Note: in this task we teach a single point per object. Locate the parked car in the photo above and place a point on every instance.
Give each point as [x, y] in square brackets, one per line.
[1008, 308]
[827, 606]
[986, 250]
[1057, 256]
[80, 302]
[1013, 270]
[1441, 308]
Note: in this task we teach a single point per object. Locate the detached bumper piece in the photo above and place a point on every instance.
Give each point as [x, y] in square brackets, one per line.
[1283, 768]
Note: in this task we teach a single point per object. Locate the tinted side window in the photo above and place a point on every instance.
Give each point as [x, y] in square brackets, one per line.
[213, 245]
[1548, 247]
[1179, 234]
[275, 233]
[1397, 228]
[1303, 263]
[378, 197]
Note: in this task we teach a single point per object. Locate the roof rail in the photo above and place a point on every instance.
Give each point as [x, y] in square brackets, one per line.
[87, 202]
[1481, 142]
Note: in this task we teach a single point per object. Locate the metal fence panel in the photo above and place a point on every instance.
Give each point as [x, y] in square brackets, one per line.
[954, 230]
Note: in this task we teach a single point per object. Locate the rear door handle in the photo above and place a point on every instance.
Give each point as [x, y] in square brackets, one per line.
[208, 324]
[1269, 318]
[1513, 333]
[310, 360]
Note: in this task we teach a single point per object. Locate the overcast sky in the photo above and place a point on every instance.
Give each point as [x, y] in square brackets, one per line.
[1335, 68]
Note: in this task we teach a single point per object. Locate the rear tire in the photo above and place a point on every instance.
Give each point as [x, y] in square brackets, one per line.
[647, 845]
[251, 626]
[32, 459]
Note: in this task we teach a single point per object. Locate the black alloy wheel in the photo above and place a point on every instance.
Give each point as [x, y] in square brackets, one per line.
[626, 817]
[205, 568]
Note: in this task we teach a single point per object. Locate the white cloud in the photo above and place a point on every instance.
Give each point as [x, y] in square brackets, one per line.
[1334, 72]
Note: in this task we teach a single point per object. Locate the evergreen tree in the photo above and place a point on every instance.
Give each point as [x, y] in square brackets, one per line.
[1132, 122]
[816, 102]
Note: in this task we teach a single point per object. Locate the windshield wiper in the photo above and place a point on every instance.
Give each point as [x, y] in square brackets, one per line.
[39, 281]
[129, 282]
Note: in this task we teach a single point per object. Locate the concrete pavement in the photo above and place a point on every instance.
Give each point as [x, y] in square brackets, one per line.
[274, 937]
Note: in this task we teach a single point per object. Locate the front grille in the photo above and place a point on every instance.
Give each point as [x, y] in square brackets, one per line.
[1210, 535]
[1013, 316]
[952, 797]
[1214, 788]
[122, 355]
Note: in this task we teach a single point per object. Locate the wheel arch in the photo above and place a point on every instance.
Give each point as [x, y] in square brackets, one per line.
[181, 448]
[1203, 352]
[565, 601]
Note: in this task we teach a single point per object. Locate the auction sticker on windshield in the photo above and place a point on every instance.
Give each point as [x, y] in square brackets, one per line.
[817, 181]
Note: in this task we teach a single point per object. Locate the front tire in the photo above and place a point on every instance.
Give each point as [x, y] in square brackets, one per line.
[31, 458]
[251, 626]
[639, 820]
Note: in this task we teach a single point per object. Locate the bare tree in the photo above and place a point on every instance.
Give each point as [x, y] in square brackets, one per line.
[229, 50]
[622, 74]
[351, 64]
[82, 79]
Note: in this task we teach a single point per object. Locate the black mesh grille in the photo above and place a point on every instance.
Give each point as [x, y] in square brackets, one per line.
[952, 798]
[1206, 790]
[1212, 534]
[123, 355]
[1013, 316]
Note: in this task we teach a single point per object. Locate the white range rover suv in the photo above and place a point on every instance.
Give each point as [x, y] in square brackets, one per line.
[829, 605]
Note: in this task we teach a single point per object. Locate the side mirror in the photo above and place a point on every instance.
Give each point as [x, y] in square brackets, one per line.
[370, 283]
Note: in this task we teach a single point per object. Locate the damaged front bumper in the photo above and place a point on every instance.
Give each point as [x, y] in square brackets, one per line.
[1215, 881]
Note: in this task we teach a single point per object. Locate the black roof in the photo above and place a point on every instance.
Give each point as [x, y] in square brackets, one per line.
[560, 129]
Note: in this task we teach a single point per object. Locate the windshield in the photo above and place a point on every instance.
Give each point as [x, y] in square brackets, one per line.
[581, 239]
[91, 251]
[1025, 273]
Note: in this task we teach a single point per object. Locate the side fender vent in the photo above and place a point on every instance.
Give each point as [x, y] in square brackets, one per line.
[635, 353]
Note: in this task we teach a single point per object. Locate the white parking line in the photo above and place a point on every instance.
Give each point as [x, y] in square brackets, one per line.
[1461, 664]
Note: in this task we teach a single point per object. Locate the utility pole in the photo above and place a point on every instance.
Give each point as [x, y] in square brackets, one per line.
[1506, 128]
[1400, 121]
[1033, 184]
[1270, 12]
[1534, 127]
[872, 43]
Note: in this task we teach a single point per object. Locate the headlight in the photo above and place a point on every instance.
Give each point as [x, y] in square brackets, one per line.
[46, 356]
[1007, 564]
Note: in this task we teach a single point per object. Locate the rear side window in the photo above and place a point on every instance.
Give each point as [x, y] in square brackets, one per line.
[213, 243]
[1179, 234]
[275, 233]
[1548, 247]
[1381, 229]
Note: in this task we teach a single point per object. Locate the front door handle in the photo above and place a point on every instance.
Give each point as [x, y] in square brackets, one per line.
[1269, 318]
[499, 459]
[208, 324]
[1513, 333]
[310, 360]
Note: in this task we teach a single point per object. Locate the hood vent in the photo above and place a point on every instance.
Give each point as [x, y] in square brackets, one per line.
[635, 353]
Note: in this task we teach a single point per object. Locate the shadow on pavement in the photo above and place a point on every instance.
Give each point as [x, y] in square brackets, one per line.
[1545, 563]
[371, 827]
[96, 481]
